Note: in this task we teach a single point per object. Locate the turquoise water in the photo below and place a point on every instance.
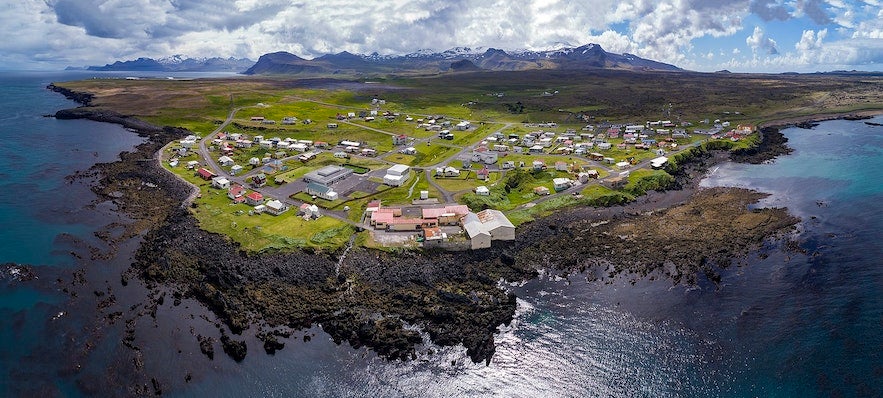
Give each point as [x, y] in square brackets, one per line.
[781, 324]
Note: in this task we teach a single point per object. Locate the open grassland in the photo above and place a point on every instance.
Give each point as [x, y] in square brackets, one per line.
[602, 94]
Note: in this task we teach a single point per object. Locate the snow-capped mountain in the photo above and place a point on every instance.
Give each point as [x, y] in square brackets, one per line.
[430, 61]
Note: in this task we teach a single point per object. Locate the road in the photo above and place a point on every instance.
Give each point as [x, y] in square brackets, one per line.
[212, 165]
[447, 196]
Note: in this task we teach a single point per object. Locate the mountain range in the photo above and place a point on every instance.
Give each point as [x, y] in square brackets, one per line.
[178, 63]
[457, 59]
[460, 59]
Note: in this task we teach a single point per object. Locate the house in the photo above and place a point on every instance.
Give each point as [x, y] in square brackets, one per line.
[399, 139]
[433, 235]
[396, 175]
[604, 146]
[369, 152]
[623, 165]
[332, 125]
[486, 226]
[542, 191]
[321, 191]
[309, 211]
[586, 175]
[535, 149]
[538, 165]
[220, 183]
[305, 157]
[509, 164]
[236, 169]
[483, 174]
[464, 125]
[192, 164]
[341, 155]
[205, 174]
[328, 175]
[447, 171]
[659, 162]
[259, 180]
[225, 161]
[561, 184]
[276, 207]
[561, 166]
[254, 198]
[486, 157]
[482, 191]
[409, 151]
[236, 191]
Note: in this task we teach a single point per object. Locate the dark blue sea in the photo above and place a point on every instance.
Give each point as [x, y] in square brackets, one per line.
[782, 323]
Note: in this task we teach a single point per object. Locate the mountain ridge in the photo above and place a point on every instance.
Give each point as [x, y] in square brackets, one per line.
[428, 61]
[178, 63]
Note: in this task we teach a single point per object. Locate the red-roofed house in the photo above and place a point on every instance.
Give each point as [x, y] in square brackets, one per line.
[236, 191]
[205, 174]
[254, 198]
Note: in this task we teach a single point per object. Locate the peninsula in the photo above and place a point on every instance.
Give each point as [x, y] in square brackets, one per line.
[390, 208]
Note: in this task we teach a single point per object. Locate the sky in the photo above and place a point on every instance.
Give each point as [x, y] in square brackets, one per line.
[701, 35]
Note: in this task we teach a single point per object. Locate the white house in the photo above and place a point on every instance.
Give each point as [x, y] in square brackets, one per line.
[225, 161]
[396, 175]
[275, 207]
[447, 171]
[482, 191]
[659, 162]
[220, 183]
[561, 184]
[322, 191]
[486, 157]
[236, 169]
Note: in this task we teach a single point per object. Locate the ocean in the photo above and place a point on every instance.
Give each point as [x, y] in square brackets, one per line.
[781, 324]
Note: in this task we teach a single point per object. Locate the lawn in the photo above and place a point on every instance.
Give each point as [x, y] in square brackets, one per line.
[466, 181]
[216, 213]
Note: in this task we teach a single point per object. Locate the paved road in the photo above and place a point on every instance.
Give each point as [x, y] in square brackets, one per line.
[212, 165]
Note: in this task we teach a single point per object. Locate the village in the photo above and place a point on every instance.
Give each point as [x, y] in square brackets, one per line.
[420, 180]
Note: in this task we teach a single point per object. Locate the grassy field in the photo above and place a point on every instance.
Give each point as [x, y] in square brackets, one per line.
[216, 213]
[490, 100]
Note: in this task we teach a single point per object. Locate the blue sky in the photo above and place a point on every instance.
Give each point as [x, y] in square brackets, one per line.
[702, 35]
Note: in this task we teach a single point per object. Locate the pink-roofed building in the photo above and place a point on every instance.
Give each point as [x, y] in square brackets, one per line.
[448, 215]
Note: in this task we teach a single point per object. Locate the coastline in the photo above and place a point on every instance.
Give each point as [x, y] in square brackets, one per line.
[796, 121]
[454, 298]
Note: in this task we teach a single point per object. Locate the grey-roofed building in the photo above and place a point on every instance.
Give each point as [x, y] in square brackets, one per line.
[487, 225]
[328, 175]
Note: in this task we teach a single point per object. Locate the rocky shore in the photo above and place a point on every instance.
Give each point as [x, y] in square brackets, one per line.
[389, 302]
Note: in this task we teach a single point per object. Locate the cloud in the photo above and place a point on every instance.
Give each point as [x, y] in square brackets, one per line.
[99, 31]
[810, 40]
[769, 10]
[813, 9]
[758, 41]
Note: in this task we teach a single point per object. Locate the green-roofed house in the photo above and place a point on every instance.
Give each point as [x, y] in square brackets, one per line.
[322, 191]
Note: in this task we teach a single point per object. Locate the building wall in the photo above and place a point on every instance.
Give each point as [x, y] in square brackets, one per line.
[480, 241]
[503, 233]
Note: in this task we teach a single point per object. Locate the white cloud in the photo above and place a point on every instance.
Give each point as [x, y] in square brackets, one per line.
[758, 41]
[82, 32]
